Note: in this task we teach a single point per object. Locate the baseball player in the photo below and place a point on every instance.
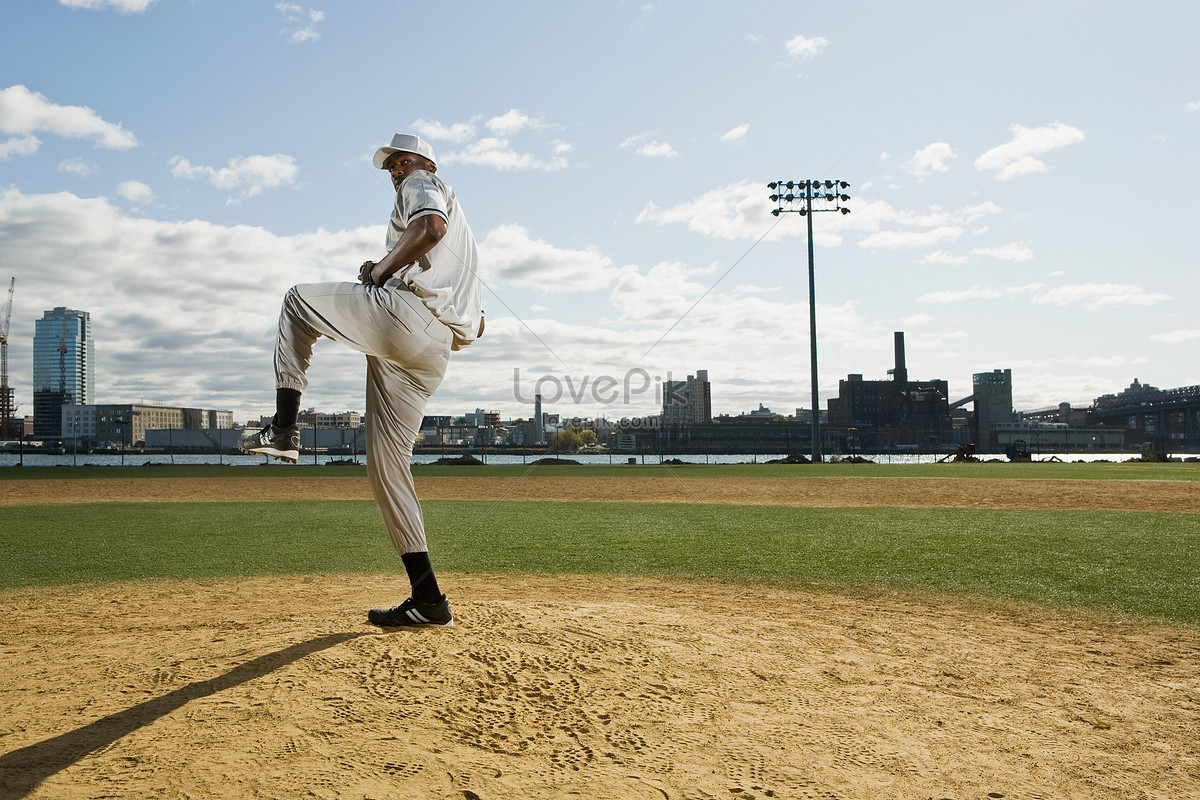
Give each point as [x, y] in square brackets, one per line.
[406, 313]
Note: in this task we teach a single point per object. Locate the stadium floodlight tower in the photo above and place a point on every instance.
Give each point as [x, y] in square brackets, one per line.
[798, 197]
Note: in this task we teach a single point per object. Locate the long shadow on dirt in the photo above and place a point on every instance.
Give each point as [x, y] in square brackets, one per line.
[22, 770]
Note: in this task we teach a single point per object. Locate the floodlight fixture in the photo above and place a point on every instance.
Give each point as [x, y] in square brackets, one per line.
[832, 198]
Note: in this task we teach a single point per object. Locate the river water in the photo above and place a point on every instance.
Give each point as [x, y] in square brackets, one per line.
[140, 459]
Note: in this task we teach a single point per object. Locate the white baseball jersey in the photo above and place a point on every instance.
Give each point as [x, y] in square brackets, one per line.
[447, 277]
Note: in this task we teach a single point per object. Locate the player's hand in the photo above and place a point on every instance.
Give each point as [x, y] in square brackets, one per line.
[364, 272]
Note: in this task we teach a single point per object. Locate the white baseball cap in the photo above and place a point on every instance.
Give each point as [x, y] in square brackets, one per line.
[404, 143]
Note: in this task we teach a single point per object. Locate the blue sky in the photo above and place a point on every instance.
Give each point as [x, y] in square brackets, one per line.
[1022, 180]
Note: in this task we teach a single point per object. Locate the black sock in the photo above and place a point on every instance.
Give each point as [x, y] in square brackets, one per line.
[287, 407]
[420, 575]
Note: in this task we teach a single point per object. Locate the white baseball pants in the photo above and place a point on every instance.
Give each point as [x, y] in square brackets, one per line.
[407, 351]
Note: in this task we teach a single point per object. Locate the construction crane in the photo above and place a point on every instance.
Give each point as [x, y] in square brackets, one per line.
[5, 392]
[62, 363]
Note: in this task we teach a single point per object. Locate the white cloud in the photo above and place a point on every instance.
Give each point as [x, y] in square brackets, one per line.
[936, 215]
[703, 316]
[943, 257]
[1014, 251]
[513, 256]
[657, 150]
[661, 295]
[303, 22]
[737, 211]
[1100, 295]
[495, 151]
[499, 154]
[734, 134]
[1016, 156]
[1036, 286]
[19, 146]
[645, 145]
[77, 166]
[124, 6]
[185, 312]
[23, 112]
[1175, 337]
[457, 133]
[941, 225]
[513, 122]
[891, 240]
[806, 48]
[136, 192]
[926, 341]
[1111, 361]
[968, 214]
[929, 159]
[917, 320]
[976, 292]
[249, 175]
[1194, 106]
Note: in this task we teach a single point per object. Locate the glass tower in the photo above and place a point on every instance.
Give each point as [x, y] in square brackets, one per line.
[63, 367]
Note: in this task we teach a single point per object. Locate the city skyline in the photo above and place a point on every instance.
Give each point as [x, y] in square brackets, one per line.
[564, 394]
[1030, 214]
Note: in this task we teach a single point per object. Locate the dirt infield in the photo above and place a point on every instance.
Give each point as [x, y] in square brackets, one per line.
[592, 687]
[1112, 495]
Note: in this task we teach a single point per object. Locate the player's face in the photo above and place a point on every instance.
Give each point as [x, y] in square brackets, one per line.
[401, 165]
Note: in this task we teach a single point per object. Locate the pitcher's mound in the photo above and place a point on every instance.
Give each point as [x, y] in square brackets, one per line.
[594, 687]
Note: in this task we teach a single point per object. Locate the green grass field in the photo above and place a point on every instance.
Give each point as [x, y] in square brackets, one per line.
[1136, 563]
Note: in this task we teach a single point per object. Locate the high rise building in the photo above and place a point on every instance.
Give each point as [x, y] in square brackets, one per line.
[993, 404]
[687, 402]
[539, 422]
[63, 367]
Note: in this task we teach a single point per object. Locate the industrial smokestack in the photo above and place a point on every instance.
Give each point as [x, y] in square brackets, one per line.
[539, 430]
[900, 375]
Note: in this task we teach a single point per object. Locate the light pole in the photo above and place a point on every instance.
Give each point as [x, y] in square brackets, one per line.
[830, 196]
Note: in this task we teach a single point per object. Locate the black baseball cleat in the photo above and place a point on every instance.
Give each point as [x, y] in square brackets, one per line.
[413, 614]
[283, 443]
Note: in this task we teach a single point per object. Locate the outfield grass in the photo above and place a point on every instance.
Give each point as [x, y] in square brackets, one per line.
[1042, 470]
[1132, 562]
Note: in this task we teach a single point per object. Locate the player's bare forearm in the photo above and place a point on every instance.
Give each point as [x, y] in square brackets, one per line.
[418, 239]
